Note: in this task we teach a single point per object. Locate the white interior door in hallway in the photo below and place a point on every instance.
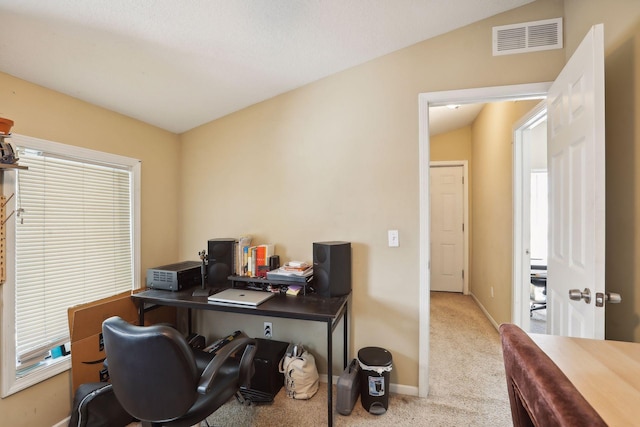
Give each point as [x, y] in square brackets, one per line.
[447, 228]
[575, 157]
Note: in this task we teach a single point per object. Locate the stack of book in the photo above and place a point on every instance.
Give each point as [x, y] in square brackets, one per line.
[254, 261]
[240, 264]
[294, 271]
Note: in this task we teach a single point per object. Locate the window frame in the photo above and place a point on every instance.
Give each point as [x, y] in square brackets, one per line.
[10, 383]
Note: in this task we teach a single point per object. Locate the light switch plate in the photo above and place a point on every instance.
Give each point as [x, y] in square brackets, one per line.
[393, 239]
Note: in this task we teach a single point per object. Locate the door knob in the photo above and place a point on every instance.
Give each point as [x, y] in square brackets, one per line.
[577, 295]
[610, 297]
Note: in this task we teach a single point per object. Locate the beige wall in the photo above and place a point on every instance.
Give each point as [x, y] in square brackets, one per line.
[456, 145]
[492, 199]
[45, 114]
[337, 160]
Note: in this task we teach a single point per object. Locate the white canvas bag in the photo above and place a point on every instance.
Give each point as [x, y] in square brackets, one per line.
[300, 372]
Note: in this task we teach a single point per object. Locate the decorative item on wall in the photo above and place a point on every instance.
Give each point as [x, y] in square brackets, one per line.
[7, 155]
[5, 126]
[8, 160]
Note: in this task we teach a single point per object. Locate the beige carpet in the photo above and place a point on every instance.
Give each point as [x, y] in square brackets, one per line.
[467, 382]
[538, 322]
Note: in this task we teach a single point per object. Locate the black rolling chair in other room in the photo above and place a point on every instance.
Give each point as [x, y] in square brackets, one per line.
[538, 280]
[162, 381]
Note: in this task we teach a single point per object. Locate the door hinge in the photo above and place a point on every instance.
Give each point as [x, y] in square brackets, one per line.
[463, 226]
[463, 274]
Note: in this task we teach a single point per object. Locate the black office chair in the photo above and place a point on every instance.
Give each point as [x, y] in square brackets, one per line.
[538, 280]
[162, 381]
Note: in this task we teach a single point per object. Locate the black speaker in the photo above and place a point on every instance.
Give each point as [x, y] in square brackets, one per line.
[220, 253]
[332, 268]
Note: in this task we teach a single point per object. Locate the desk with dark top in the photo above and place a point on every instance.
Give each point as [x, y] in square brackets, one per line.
[301, 307]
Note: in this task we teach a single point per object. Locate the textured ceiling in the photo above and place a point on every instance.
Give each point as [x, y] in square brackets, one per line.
[177, 64]
[444, 118]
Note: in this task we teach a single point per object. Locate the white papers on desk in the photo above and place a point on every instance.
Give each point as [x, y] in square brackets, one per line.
[290, 275]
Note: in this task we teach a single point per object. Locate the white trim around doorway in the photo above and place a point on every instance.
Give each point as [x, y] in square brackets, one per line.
[521, 274]
[433, 99]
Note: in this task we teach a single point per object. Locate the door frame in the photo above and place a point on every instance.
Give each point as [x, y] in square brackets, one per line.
[521, 273]
[465, 214]
[434, 99]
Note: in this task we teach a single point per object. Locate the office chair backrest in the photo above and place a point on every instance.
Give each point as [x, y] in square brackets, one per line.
[540, 394]
[152, 369]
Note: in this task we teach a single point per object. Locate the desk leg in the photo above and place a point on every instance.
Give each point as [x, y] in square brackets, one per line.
[330, 374]
[141, 313]
[345, 343]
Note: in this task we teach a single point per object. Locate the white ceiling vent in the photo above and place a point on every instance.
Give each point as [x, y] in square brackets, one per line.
[527, 37]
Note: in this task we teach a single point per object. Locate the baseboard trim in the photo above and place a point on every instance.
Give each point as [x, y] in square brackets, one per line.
[407, 390]
[486, 313]
[63, 423]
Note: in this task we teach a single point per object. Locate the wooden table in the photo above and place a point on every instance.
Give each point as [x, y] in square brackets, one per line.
[607, 374]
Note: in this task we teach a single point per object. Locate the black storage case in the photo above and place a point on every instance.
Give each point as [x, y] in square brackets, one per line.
[95, 405]
[267, 379]
[348, 388]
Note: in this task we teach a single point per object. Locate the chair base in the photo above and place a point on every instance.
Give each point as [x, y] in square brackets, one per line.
[534, 306]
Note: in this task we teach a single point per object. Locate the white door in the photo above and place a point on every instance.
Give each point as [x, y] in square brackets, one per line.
[575, 130]
[447, 228]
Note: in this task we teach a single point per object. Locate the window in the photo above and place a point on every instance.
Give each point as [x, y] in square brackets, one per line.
[71, 237]
[539, 217]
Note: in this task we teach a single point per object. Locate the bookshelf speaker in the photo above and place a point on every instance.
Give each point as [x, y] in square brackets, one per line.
[332, 268]
[220, 252]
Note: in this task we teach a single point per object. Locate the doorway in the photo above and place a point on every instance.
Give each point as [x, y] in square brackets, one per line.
[427, 100]
[576, 186]
[530, 213]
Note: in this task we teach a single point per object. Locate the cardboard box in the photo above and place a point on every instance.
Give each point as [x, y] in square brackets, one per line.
[85, 327]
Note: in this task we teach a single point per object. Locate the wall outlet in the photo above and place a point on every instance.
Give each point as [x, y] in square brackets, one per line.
[268, 330]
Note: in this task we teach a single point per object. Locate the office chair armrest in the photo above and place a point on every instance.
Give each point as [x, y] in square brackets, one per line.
[246, 369]
[208, 375]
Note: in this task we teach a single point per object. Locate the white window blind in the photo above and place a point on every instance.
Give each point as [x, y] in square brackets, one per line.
[74, 242]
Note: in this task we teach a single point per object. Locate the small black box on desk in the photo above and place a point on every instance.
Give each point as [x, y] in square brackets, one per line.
[267, 380]
[175, 277]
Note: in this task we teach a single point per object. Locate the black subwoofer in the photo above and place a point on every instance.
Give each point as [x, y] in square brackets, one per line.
[267, 377]
[220, 253]
[332, 268]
